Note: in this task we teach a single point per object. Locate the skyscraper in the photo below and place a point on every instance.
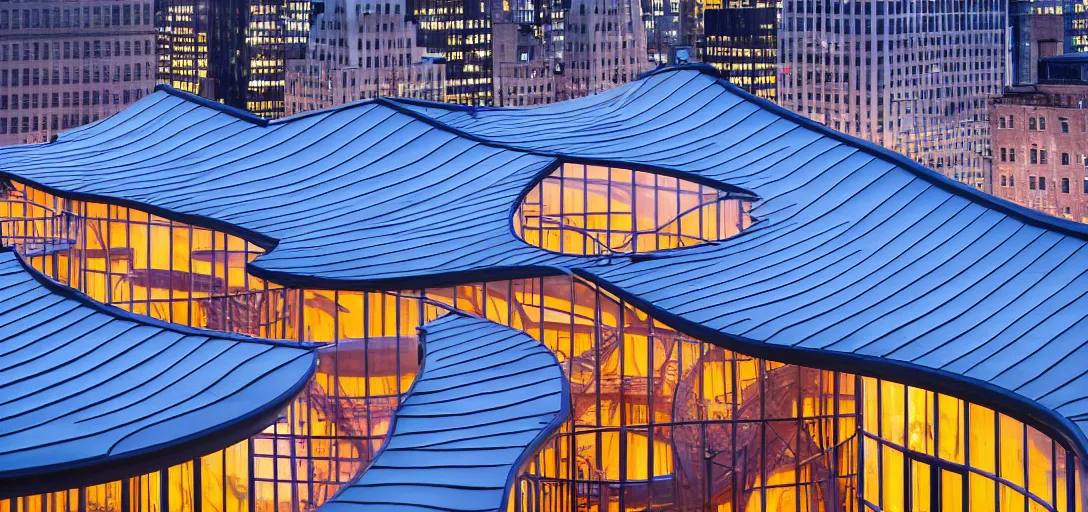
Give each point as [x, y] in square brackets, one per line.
[459, 31]
[740, 40]
[68, 63]
[358, 50]
[914, 77]
[231, 51]
[1075, 16]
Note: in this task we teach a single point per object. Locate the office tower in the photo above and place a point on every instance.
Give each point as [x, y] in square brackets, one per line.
[231, 51]
[1075, 16]
[525, 53]
[914, 77]
[1040, 140]
[460, 32]
[662, 22]
[605, 46]
[359, 50]
[65, 64]
[1037, 28]
[524, 58]
[740, 40]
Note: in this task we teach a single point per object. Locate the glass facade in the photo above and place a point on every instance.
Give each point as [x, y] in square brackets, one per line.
[460, 31]
[660, 420]
[588, 209]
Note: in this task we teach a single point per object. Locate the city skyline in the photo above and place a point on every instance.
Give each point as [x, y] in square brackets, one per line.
[919, 89]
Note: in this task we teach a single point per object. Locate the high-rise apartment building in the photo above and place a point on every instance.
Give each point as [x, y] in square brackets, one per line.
[65, 63]
[1040, 140]
[740, 40]
[362, 49]
[527, 52]
[231, 51]
[460, 32]
[911, 76]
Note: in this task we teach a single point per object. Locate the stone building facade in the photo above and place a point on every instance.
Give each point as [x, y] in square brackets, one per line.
[68, 63]
[358, 50]
[1040, 140]
[913, 77]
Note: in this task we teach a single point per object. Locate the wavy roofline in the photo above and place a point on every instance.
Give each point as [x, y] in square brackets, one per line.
[1029, 216]
[152, 458]
[977, 391]
[74, 294]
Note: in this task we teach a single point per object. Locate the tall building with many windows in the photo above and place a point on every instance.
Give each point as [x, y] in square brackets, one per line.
[740, 40]
[460, 32]
[605, 46]
[524, 53]
[914, 77]
[360, 50]
[69, 63]
[231, 51]
[1075, 16]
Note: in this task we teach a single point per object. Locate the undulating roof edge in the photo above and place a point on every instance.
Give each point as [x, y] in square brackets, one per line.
[477, 327]
[154, 456]
[396, 104]
[72, 293]
[973, 390]
[1025, 214]
[968, 388]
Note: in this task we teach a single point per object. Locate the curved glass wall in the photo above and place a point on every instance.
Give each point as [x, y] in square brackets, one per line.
[660, 420]
[594, 210]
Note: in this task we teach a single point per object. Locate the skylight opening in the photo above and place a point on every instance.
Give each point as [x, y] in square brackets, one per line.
[595, 210]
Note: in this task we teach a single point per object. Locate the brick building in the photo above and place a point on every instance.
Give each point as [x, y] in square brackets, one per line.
[1040, 144]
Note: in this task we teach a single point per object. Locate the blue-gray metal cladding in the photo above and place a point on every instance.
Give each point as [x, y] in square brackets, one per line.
[857, 250]
[485, 399]
[85, 388]
[862, 260]
[363, 193]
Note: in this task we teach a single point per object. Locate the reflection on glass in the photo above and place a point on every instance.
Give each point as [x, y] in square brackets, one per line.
[587, 209]
[660, 421]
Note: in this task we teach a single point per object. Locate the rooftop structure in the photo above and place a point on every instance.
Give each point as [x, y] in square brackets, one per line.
[750, 310]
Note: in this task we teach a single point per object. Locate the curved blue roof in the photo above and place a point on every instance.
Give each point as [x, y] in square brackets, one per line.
[363, 194]
[90, 393]
[859, 255]
[487, 396]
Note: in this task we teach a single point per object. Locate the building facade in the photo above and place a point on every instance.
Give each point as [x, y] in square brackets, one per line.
[740, 39]
[534, 53]
[1040, 139]
[914, 77]
[64, 64]
[358, 50]
[1075, 14]
[231, 51]
[460, 32]
[1038, 31]
[563, 308]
